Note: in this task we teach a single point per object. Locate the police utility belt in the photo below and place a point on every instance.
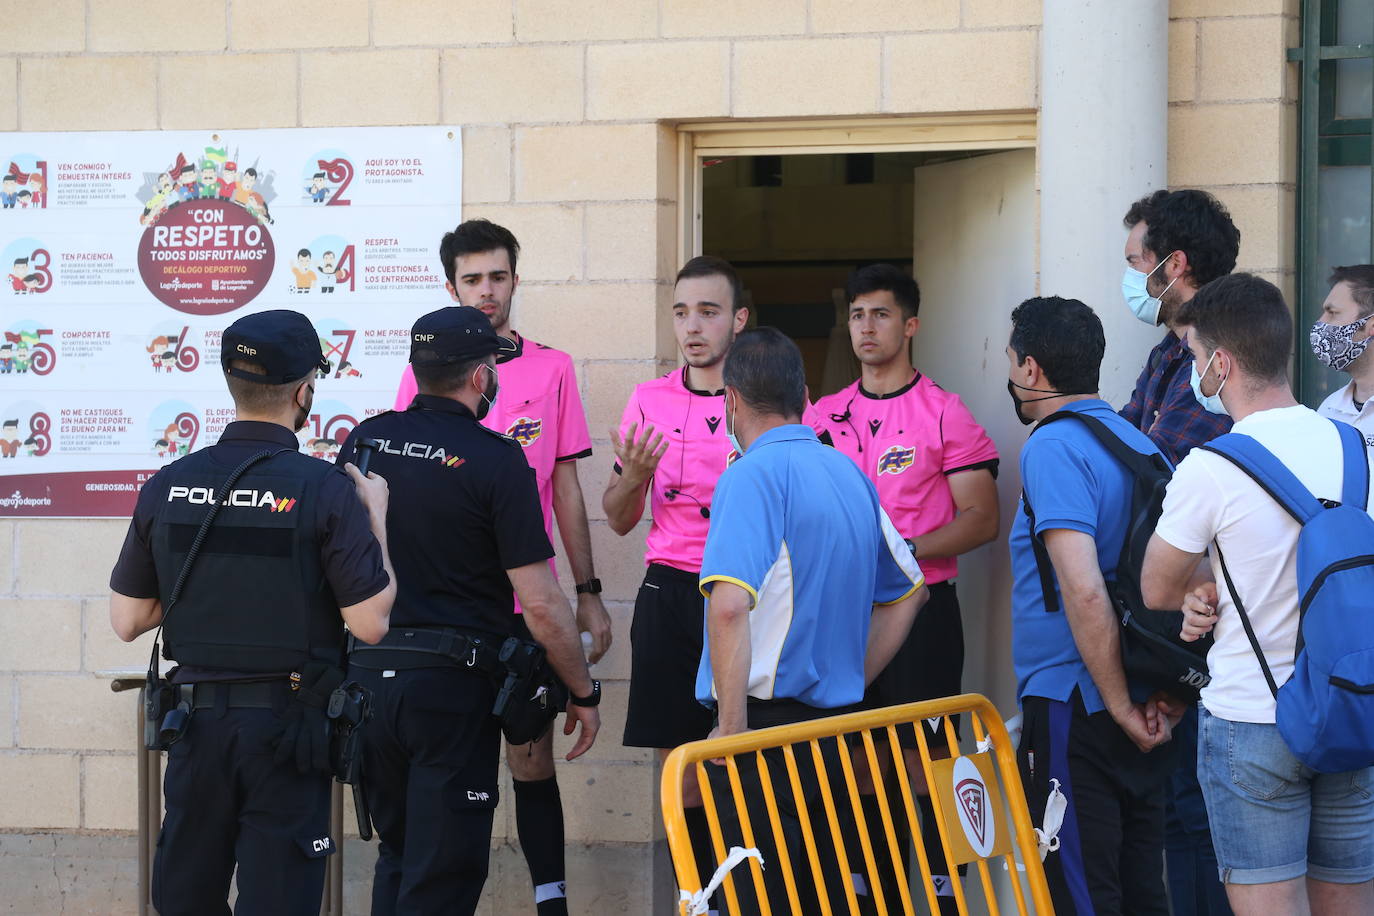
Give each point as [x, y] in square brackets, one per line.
[529, 696]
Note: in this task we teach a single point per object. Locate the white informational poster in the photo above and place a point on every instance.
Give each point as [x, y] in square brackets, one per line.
[127, 254]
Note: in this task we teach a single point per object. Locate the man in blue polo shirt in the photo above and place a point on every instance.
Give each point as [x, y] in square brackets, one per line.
[801, 561]
[810, 589]
[1085, 730]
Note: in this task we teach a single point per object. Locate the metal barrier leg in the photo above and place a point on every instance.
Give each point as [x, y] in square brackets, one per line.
[332, 904]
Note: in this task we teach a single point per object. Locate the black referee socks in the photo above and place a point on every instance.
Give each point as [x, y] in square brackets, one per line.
[539, 823]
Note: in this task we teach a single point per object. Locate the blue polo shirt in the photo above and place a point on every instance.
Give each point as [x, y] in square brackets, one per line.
[1074, 483]
[797, 525]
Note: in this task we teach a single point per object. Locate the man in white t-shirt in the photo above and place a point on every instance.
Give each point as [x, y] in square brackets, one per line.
[1340, 339]
[1274, 820]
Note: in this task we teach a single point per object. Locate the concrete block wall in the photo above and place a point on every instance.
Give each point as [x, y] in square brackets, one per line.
[1233, 121]
[567, 110]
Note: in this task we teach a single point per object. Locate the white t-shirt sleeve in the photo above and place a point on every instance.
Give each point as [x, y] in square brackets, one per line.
[1192, 505]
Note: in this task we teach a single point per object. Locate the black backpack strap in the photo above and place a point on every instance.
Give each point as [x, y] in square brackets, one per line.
[1245, 622]
[1043, 566]
[1136, 463]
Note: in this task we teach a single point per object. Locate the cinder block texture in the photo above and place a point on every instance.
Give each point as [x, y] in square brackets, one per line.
[88, 93]
[41, 791]
[593, 321]
[39, 634]
[441, 22]
[54, 25]
[654, 80]
[1186, 9]
[807, 77]
[608, 802]
[513, 85]
[68, 557]
[587, 162]
[550, 240]
[6, 529]
[259, 24]
[1229, 57]
[829, 16]
[571, 20]
[145, 26]
[728, 18]
[249, 91]
[982, 14]
[486, 163]
[1182, 60]
[77, 713]
[631, 241]
[981, 71]
[1259, 132]
[364, 88]
[109, 790]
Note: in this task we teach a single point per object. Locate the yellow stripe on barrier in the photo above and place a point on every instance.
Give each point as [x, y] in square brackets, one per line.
[796, 792]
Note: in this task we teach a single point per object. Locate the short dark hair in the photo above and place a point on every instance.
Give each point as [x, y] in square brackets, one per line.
[475, 236]
[1247, 317]
[1066, 339]
[303, 253]
[1143, 209]
[886, 278]
[705, 265]
[1360, 278]
[442, 378]
[765, 367]
[255, 397]
[1197, 224]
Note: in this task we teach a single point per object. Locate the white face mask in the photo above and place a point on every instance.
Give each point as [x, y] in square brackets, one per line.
[730, 428]
[488, 394]
[1210, 402]
[1137, 295]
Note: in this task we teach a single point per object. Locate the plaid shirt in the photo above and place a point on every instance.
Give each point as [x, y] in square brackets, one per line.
[1163, 406]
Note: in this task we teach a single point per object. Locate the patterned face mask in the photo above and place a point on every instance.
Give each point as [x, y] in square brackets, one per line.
[1334, 345]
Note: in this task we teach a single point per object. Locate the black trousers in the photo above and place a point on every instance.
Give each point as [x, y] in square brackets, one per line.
[430, 768]
[1111, 854]
[228, 802]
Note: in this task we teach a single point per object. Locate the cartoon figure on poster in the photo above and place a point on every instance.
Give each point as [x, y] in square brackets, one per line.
[24, 349]
[24, 183]
[323, 265]
[336, 343]
[169, 349]
[330, 421]
[29, 263]
[325, 178]
[25, 429]
[211, 175]
[173, 428]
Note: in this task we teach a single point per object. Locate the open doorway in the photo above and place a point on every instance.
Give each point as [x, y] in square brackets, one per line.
[795, 226]
[965, 223]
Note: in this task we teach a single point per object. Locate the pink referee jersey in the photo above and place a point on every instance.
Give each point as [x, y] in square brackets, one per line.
[907, 443]
[693, 425]
[538, 406]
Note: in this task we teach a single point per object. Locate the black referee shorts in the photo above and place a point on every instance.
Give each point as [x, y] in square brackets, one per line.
[929, 664]
[665, 650]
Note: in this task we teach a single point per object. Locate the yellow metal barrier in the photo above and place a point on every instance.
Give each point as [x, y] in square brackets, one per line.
[796, 788]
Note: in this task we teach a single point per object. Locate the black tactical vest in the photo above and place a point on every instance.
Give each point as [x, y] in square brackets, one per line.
[256, 599]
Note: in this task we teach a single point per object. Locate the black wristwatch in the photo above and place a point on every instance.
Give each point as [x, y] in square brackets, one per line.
[593, 700]
[591, 587]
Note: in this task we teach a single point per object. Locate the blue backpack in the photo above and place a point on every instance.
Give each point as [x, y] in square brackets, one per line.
[1326, 710]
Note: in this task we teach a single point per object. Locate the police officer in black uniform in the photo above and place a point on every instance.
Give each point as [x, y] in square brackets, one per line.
[465, 526]
[296, 549]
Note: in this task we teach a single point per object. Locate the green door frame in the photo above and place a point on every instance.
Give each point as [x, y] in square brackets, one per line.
[1323, 140]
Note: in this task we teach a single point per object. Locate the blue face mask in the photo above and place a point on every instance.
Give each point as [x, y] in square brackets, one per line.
[730, 430]
[1137, 296]
[1210, 402]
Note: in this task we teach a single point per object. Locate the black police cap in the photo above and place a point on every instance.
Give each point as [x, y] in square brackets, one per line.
[454, 335]
[282, 342]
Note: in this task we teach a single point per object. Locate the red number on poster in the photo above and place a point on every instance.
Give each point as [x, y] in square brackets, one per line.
[344, 272]
[188, 428]
[337, 428]
[39, 427]
[38, 263]
[339, 171]
[187, 357]
[43, 357]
